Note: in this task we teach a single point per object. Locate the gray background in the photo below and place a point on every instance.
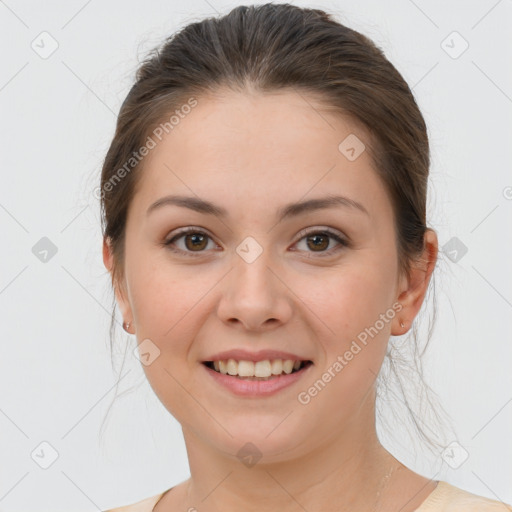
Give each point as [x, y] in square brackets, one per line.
[57, 120]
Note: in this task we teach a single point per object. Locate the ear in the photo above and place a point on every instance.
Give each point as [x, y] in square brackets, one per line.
[119, 288]
[412, 291]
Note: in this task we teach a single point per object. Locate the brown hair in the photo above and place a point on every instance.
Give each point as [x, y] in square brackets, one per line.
[273, 47]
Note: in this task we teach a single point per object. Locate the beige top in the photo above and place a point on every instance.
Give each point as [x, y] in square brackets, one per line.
[444, 498]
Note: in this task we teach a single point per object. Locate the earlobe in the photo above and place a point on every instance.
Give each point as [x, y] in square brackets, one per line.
[108, 261]
[399, 326]
[414, 288]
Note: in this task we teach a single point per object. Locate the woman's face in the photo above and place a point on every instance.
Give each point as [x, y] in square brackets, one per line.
[252, 279]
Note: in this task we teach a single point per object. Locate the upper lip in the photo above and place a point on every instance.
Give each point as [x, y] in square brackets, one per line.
[262, 355]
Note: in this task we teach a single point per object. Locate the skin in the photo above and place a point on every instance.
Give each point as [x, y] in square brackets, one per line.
[253, 153]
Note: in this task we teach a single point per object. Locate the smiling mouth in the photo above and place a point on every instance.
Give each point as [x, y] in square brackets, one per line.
[259, 371]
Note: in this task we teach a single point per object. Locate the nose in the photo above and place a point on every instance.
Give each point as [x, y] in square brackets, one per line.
[255, 296]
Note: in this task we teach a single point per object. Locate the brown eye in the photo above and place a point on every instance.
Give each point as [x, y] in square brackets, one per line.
[318, 241]
[195, 241]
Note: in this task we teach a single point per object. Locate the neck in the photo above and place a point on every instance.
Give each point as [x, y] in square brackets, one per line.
[348, 468]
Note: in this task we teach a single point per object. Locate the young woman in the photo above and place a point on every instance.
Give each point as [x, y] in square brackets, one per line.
[264, 206]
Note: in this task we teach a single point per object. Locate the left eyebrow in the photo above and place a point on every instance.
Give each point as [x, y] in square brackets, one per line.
[294, 209]
[287, 211]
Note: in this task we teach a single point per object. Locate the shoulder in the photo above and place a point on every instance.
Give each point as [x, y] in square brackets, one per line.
[145, 505]
[448, 498]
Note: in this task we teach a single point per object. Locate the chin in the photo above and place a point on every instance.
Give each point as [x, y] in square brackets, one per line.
[269, 439]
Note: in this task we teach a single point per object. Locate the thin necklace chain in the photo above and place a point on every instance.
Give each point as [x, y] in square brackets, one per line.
[382, 486]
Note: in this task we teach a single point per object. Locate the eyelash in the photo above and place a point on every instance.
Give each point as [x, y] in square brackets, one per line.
[343, 243]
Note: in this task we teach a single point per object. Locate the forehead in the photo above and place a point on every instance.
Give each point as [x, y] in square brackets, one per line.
[271, 147]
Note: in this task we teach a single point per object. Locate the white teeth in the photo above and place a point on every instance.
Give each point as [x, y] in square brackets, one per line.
[288, 366]
[223, 367]
[232, 366]
[263, 369]
[277, 367]
[246, 369]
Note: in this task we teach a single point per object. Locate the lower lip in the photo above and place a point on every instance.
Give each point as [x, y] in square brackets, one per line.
[257, 388]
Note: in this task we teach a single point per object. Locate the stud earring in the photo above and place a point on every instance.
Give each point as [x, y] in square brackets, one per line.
[402, 325]
[126, 326]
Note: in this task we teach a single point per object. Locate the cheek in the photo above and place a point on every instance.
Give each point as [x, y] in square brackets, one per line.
[350, 302]
[350, 299]
[160, 298]
[350, 306]
[163, 307]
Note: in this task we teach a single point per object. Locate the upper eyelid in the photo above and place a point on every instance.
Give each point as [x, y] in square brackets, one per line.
[312, 230]
[188, 230]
